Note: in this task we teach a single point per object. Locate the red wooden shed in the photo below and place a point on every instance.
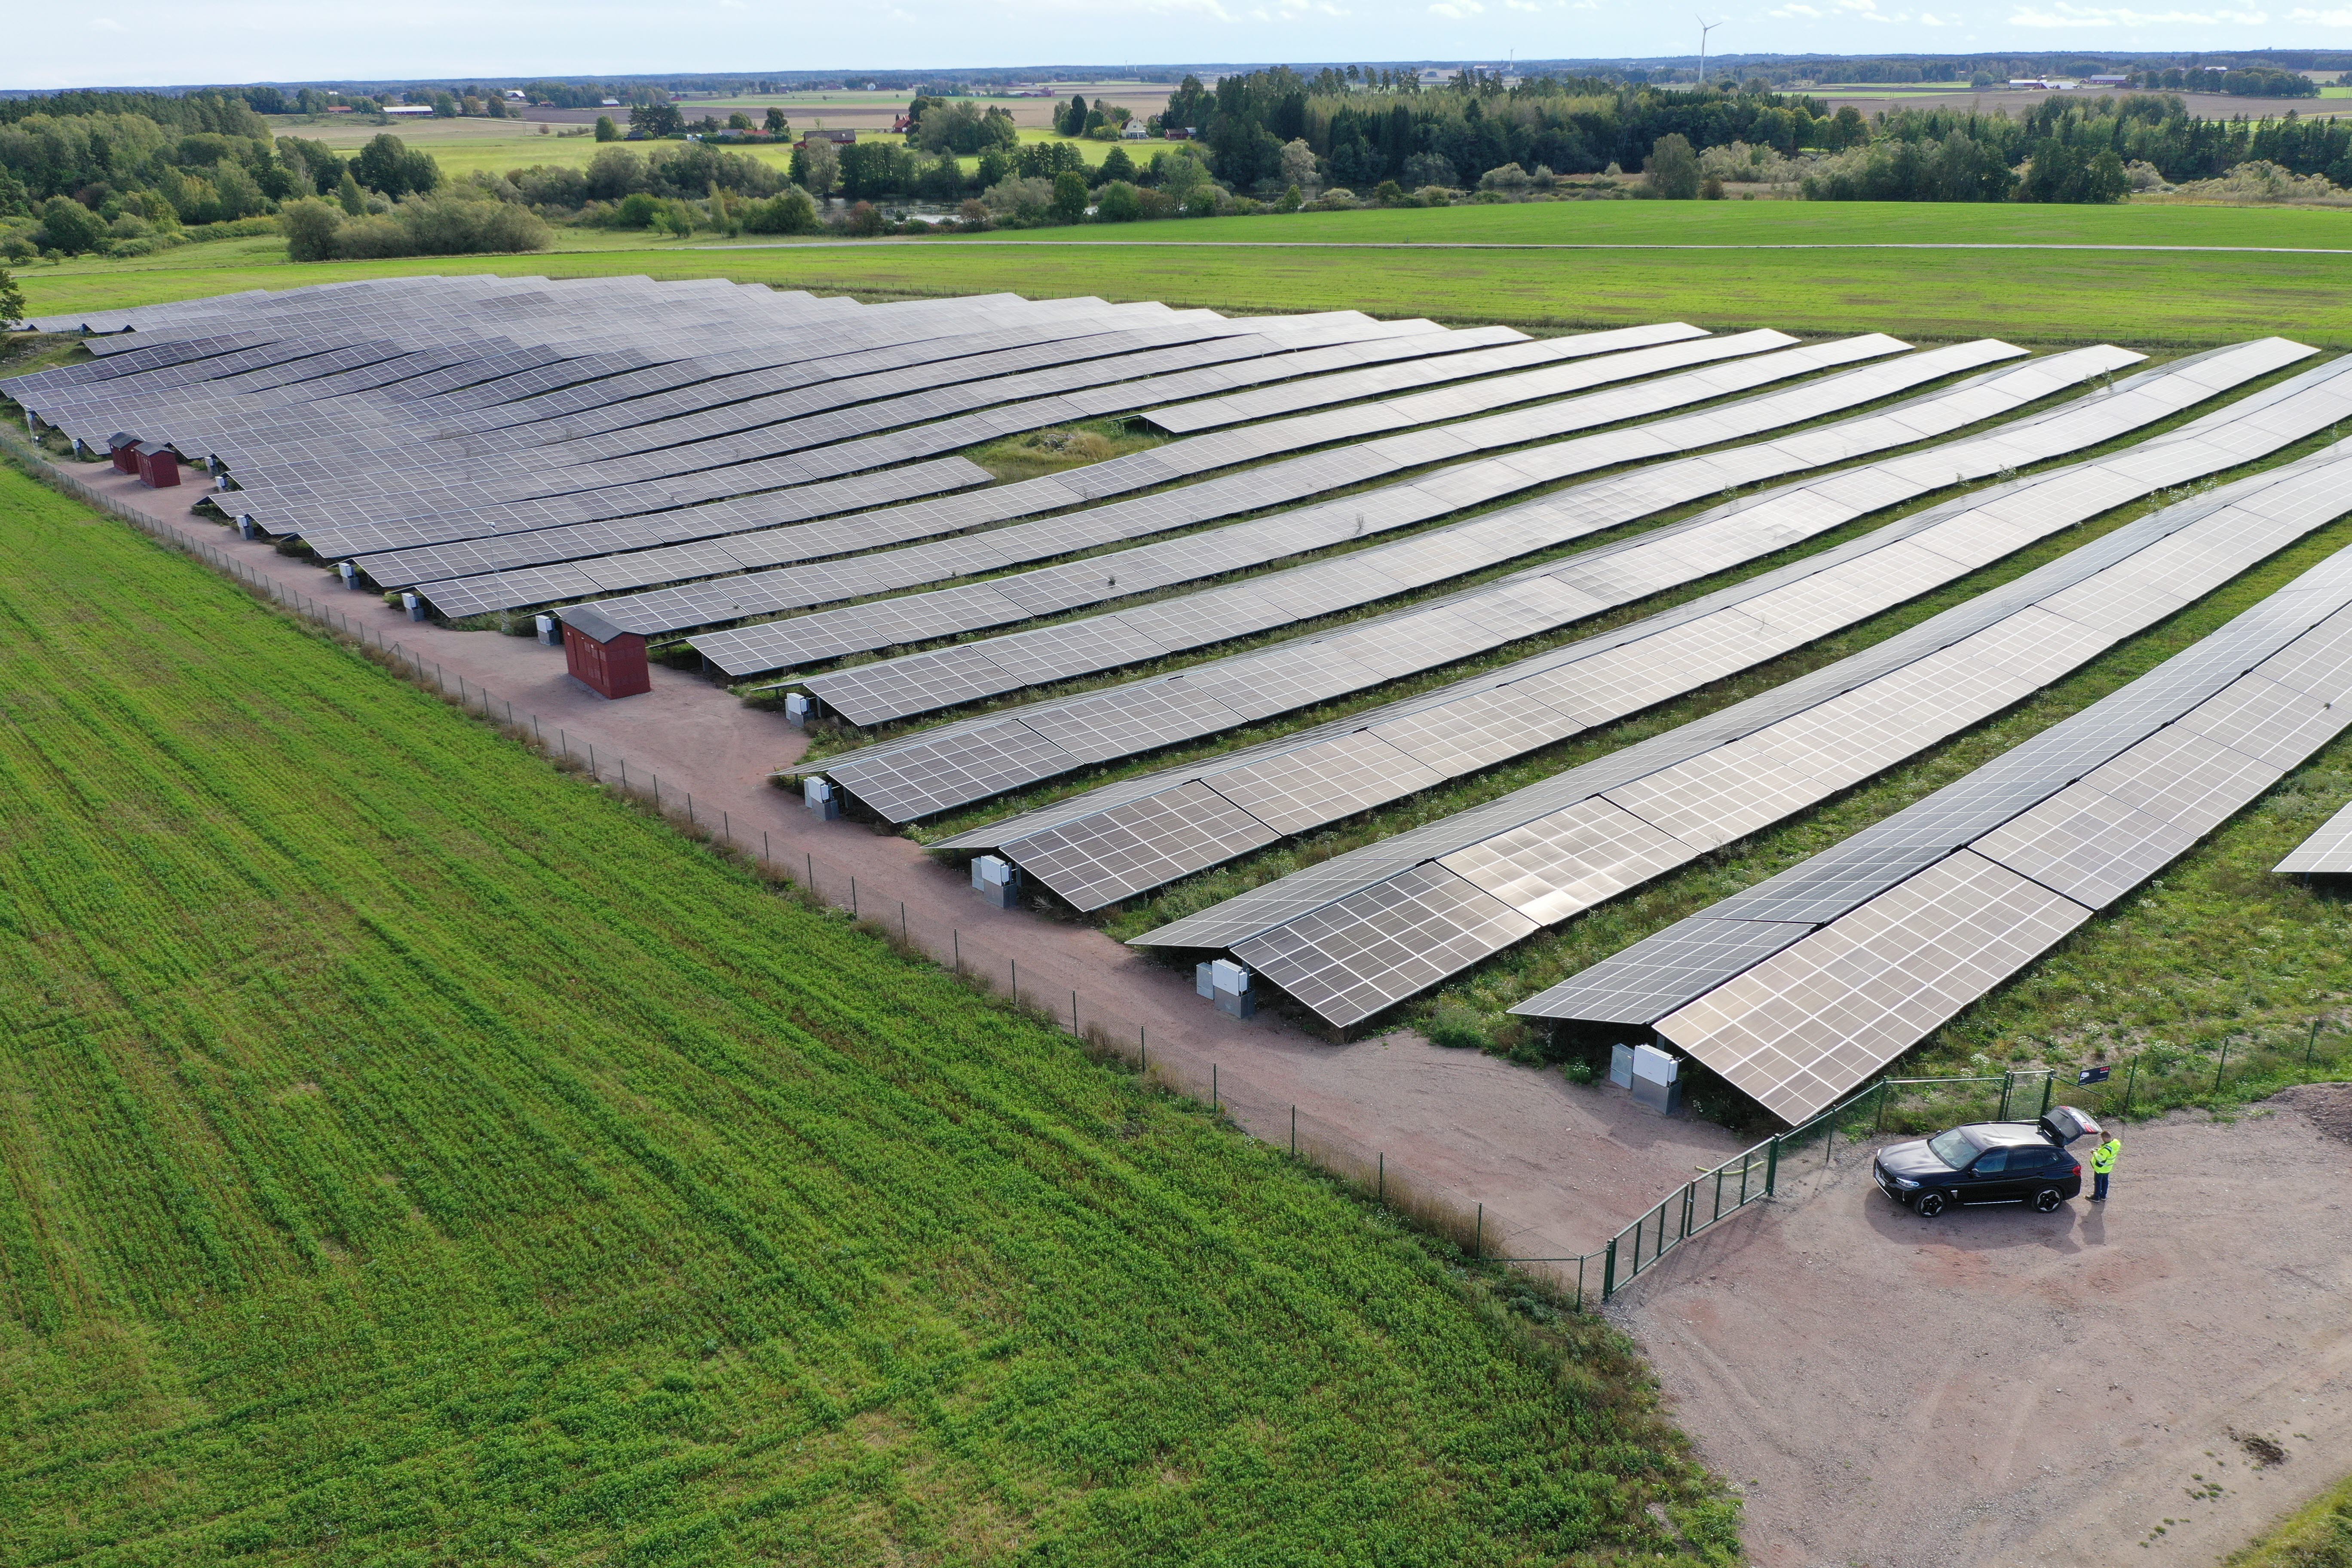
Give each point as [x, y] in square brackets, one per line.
[602, 656]
[159, 466]
[124, 447]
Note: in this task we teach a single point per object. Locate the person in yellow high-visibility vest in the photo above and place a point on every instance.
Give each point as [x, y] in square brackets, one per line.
[2103, 1165]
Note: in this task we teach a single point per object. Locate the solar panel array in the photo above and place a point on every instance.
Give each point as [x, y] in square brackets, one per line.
[442, 567]
[1125, 838]
[1329, 935]
[441, 408]
[1801, 986]
[1225, 495]
[2327, 852]
[915, 683]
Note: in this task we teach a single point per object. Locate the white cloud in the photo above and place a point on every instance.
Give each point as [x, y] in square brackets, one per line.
[108, 25]
[1456, 10]
[2325, 18]
[1929, 19]
[1807, 12]
[2066, 16]
[1520, 5]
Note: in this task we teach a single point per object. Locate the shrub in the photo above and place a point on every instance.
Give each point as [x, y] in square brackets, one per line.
[311, 227]
[421, 226]
[1509, 181]
[1117, 203]
[792, 212]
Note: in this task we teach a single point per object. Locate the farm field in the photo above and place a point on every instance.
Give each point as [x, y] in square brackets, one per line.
[2176, 298]
[465, 147]
[414, 1155]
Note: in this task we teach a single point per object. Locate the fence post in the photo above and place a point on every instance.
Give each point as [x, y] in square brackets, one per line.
[1773, 1167]
[1878, 1121]
[2224, 1066]
[1383, 1178]
[1609, 1271]
[1478, 1237]
[1074, 1020]
[2312, 1044]
[1690, 1202]
[2049, 1086]
[1213, 1086]
[2131, 1080]
[955, 935]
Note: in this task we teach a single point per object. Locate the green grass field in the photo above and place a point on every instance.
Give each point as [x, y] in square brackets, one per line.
[2194, 297]
[413, 1155]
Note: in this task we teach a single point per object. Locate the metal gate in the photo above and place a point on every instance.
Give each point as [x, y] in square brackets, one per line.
[2025, 1094]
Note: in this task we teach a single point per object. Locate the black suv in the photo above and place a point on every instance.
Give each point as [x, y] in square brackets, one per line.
[1987, 1162]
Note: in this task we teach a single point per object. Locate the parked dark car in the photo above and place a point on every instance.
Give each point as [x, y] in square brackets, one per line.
[1987, 1162]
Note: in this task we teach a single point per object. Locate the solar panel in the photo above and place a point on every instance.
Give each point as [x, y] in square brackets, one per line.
[1320, 587]
[2327, 852]
[1979, 879]
[1272, 403]
[1534, 702]
[1764, 759]
[1293, 479]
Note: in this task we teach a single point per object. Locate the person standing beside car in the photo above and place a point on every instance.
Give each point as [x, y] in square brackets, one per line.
[2103, 1165]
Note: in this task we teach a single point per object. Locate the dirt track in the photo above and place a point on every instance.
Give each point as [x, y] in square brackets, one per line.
[2001, 1389]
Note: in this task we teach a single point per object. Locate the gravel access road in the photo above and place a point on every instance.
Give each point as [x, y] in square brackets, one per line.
[2001, 1389]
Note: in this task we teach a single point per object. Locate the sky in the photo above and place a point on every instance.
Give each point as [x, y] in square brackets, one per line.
[131, 43]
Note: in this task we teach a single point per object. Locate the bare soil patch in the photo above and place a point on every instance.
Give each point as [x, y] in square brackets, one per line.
[2148, 1381]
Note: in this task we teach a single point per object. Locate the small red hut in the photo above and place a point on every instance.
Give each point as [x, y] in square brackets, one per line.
[124, 447]
[159, 466]
[602, 656]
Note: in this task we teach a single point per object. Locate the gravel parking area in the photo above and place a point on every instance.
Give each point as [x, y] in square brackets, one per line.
[2150, 1381]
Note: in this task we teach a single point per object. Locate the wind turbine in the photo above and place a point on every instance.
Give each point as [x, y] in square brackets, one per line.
[1705, 27]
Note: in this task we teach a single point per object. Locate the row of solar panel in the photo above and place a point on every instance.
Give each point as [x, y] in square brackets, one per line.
[479, 521]
[1078, 487]
[1801, 986]
[1459, 891]
[351, 444]
[535, 463]
[439, 567]
[916, 683]
[928, 481]
[752, 650]
[1125, 839]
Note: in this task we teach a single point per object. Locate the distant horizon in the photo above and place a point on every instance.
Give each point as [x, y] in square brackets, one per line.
[1078, 72]
[137, 44]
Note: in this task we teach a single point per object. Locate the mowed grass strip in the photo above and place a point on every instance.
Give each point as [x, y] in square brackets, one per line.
[2146, 298]
[411, 1155]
